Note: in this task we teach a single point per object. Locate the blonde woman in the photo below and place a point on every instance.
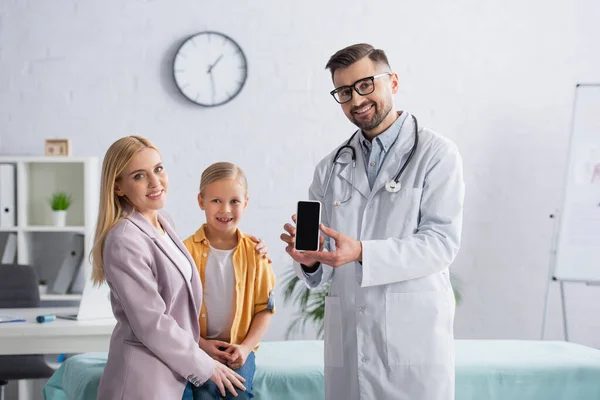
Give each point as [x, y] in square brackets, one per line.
[156, 293]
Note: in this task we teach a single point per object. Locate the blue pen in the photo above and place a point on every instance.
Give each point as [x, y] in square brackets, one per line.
[45, 318]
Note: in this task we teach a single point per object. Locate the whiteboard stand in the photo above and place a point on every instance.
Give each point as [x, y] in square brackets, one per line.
[575, 248]
[563, 304]
[552, 278]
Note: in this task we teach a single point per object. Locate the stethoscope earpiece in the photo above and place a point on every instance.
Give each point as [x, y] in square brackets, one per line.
[393, 186]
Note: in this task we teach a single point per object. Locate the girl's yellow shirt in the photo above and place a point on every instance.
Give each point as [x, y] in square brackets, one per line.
[254, 282]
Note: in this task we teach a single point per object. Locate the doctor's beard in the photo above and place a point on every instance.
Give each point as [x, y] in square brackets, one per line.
[381, 110]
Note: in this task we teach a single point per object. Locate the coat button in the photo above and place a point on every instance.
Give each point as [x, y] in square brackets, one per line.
[205, 255]
[364, 359]
[204, 241]
[203, 315]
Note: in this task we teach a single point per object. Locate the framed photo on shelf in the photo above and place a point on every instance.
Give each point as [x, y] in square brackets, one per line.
[58, 147]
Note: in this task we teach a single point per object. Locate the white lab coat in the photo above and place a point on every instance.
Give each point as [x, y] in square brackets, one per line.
[389, 323]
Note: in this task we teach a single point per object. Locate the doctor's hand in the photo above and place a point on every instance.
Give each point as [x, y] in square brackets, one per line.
[299, 257]
[347, 249]
[261, 247]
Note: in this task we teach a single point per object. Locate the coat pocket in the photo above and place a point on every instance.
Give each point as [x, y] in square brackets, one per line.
[418, 328]
[334, 355]
[406, 194]
[407, 204]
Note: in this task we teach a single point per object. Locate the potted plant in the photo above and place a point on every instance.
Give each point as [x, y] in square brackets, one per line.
[60, 202]
[43, 288]
[311, 302]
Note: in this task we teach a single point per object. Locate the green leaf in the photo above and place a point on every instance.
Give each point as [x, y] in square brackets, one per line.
[60, 201]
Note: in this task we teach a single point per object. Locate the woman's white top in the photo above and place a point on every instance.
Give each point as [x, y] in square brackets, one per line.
[219, 293]
[181, 260]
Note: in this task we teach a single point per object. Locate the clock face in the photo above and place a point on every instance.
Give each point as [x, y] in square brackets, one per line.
[210, 69]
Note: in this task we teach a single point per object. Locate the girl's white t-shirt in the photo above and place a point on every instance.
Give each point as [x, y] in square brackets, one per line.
[219, 293]
[180, 259]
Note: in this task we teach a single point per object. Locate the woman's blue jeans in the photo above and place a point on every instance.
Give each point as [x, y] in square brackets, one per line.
[210, 391]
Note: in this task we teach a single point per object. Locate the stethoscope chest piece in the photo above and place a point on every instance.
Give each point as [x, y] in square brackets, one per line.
[393, 186]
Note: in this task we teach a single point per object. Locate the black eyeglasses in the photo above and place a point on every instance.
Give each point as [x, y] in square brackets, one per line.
[363, 86]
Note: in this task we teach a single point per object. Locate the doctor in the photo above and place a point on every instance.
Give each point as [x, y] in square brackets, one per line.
[393, 226]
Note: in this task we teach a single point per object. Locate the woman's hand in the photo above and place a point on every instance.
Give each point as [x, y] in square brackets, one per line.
[225, 378]
[261, 247]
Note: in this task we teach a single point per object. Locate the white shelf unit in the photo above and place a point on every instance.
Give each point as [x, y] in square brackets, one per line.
[36, 179]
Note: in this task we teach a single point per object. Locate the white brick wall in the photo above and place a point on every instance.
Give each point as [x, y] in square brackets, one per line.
[496, 76]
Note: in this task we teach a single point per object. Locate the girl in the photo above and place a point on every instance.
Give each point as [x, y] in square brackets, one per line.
[238, 283]
[155, 288]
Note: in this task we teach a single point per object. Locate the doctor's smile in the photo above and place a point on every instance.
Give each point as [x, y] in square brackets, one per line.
[363, 109]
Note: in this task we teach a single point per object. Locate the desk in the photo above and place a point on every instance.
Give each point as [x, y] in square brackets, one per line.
[60, 336]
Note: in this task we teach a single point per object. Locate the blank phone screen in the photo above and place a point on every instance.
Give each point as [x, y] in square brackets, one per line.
[307, 225]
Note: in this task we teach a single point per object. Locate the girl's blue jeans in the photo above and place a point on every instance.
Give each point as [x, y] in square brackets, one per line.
[210, 391]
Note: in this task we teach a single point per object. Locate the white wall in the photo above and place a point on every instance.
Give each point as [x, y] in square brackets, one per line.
[496, 76]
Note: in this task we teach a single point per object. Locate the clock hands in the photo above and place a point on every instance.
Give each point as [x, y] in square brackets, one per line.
[213, 64]
[212, 84]
[212, 79]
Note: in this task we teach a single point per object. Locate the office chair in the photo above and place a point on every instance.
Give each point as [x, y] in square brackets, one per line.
[19, 289]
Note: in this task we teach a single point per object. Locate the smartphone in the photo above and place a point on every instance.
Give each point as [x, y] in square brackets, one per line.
[308, 218]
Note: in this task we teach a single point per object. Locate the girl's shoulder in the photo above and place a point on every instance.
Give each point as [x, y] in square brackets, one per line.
[245, 241]
[248, 245]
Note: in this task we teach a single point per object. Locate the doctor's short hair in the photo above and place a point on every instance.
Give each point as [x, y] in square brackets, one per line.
[351, 54]
[222, 170]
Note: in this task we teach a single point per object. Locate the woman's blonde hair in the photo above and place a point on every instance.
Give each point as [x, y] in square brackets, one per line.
[222, 170]
[111, 206]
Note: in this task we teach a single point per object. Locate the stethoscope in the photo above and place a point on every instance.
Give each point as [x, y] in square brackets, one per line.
[391, 186]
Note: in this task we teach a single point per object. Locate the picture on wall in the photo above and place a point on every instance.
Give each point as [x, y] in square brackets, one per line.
[58, 147]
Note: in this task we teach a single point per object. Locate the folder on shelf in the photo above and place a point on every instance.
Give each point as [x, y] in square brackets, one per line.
[10, 249]
[7, 196]
[69, 268]
[78, 282]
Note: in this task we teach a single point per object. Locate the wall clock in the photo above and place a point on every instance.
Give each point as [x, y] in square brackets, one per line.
[210, 69]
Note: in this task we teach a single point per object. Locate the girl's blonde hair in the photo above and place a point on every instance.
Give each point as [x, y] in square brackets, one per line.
[222, 170]
[111, 206]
